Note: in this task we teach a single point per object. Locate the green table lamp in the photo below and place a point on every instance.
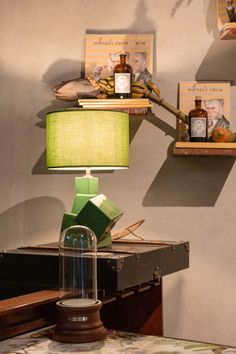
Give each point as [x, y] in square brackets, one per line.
[79, 139]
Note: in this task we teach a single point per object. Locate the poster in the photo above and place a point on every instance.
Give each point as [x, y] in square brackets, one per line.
[226, 18]
[215, 97]
[102, 53]
[225, 12]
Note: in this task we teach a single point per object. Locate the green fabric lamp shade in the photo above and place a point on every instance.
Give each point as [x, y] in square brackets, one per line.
[87, 139]
[79, 139]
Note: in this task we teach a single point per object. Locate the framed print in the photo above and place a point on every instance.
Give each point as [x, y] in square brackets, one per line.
[226, 18]
[102, 53]
[215, 96]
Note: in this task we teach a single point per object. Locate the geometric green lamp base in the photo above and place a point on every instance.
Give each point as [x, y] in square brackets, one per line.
[100, 215]
[96, 212]
[85, 188]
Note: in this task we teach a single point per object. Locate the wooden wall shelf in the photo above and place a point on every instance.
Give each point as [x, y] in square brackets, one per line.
[204, 149]
[139, 106]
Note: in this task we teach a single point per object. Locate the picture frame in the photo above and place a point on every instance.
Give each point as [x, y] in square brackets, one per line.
[226, 18]
[215, 97]
[102, 54]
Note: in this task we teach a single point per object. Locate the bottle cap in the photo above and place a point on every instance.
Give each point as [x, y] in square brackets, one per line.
[198, 98]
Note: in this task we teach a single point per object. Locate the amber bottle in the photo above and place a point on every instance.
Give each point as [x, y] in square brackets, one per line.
[123, 78]
[198, 122]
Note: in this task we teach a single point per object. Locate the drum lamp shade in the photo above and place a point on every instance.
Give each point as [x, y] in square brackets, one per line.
[87, 139]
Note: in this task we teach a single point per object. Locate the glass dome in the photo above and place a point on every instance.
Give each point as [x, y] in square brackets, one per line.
[78, 267]
[78, 307]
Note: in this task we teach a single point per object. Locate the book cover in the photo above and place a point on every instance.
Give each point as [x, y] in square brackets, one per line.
[102, 53]
[215, 97]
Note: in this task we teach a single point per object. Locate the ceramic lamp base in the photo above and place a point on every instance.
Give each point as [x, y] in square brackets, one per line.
[79, 321]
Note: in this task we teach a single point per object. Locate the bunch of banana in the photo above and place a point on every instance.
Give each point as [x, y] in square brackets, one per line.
[106, 86]
[153, 88]
[139, 89]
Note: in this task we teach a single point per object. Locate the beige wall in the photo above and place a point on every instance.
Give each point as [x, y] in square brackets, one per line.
[41, 43]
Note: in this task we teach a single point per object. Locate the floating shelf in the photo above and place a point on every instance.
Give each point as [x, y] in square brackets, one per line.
[204, 149]
[132, 106]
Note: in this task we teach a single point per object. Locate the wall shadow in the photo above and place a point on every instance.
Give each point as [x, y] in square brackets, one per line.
[162, 125]
[61, 70]
[178, 4]
[31, 217]
[188, 181]
[183, 181]
[219, 61]
[210, 7]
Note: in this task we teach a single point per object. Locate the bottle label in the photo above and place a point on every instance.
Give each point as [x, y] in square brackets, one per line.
[122, 82]
[198, 127]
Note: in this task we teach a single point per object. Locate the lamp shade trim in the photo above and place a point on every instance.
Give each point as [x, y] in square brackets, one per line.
[84, 168]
